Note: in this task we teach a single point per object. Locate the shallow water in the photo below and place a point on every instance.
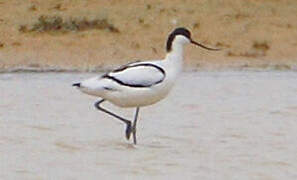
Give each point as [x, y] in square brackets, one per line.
[214, 125]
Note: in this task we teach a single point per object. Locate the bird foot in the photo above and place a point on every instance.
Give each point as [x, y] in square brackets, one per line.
[128, 130]
[131, 130]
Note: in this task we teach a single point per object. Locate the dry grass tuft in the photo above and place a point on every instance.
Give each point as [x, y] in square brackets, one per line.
[258, 49]
[261, 46]
[58, 24]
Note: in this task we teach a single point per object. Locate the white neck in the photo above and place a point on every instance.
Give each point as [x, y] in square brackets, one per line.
[174, 58]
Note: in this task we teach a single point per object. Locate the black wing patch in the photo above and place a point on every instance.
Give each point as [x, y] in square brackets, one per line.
[123, 67]
[131, 84]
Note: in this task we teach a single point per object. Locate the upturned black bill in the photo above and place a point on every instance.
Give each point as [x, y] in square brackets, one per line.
[198, 44]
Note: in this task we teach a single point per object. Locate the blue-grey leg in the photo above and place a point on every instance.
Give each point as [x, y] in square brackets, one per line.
[134, 125]
[128, 123]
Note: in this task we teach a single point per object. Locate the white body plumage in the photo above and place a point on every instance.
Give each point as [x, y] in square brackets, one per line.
[156, 77]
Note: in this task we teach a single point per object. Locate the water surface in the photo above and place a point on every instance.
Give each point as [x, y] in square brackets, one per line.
[214, 125]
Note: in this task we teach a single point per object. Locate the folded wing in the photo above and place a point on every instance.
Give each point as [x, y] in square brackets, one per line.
[137, 75]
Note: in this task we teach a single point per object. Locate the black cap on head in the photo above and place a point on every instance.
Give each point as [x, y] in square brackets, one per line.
[177, 31]
[184, 32]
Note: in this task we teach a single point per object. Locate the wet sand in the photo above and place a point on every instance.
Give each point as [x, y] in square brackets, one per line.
[214, 125]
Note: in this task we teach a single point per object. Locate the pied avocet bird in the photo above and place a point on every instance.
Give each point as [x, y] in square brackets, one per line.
[140, 84]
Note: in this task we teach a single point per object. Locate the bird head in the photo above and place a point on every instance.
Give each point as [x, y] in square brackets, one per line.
[182, 36]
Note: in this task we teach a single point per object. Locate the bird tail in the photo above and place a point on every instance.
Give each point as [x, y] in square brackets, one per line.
[76, 84]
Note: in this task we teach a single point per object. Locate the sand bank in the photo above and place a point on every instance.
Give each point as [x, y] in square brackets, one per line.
[93, 35]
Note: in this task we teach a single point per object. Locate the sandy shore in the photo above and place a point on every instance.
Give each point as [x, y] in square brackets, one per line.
[93, 35]
[226, 125]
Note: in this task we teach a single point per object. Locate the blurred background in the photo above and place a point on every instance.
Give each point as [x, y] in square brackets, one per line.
[91, 35]
[234, 118]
